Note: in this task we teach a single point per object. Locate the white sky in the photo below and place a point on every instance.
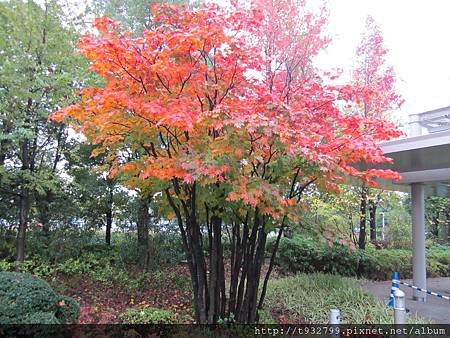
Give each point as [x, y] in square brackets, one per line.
[417, 34]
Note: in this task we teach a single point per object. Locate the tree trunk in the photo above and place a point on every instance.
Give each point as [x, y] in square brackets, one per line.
[448, 228]
[247, 299]
[109, 212]
[256, 274]
[44, 213]
[352, 230]
[239, 244]
[200, 270]
[24, 211]
[193, 241]
[215, 275]
[448, 223]
[271, 264]
[373, 220]
[108, 226]
[4, 143]
[24, 199]
[434, 228]
[362, 218]
[208, 281]
[142, 231]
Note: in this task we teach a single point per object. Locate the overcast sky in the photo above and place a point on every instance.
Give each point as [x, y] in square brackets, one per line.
[417, 34]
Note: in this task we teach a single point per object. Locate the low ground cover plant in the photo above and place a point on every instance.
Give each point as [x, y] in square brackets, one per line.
[308, 298]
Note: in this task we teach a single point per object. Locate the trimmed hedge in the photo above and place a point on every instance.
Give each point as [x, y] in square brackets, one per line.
[301, 254]
[25, 299]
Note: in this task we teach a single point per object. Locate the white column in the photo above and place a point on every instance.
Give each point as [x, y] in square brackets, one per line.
[418, 239]
[415, 129]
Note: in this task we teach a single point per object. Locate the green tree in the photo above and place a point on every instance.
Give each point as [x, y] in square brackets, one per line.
[95, 197]
[38, 74]
[438, 216]
[134, 15]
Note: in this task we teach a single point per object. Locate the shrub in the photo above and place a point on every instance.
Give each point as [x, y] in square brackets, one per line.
[25, 299]
[60, 245]
[379, 264]
[297, 254]
[7, 249]
[127, 248]
[147, 315]
[168, 248]
[438, 258]
[6, 266]
[40, 318]
[162, 278]
[339, 259]
[68, 310]
[301, 254]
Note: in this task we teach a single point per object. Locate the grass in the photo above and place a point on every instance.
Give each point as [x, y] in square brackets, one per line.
[308, 298]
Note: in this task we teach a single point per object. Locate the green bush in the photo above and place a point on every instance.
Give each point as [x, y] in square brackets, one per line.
[7, 249]
[40, 318]
[127, 248]
[95, 265]
[68, 310]
[438, 258]
[383, 262]
[297, 254]
[60, 245]
[6, 266]
[147, 315]
[168, 248]
[25, 299]
[379, 264]
[300, 254]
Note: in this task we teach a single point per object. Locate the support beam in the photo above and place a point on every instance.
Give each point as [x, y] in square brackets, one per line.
[418, 240]
[415, 129]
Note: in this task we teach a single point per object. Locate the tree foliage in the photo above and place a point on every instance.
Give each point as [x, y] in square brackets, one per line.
[376, 81]
[39, 73]
[373, 76]
[135, 15]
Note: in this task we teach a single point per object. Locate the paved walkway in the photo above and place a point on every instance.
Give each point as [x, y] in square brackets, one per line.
[436, 309]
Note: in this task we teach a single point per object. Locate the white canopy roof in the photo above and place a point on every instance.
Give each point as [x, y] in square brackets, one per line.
[422, 158]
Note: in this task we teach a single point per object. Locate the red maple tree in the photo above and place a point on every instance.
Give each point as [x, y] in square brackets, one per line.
[376, 82]
[222, 110]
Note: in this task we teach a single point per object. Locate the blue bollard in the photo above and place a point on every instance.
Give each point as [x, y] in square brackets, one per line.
[395, 286]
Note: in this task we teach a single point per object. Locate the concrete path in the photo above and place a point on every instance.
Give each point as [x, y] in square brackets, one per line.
[436, 309]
